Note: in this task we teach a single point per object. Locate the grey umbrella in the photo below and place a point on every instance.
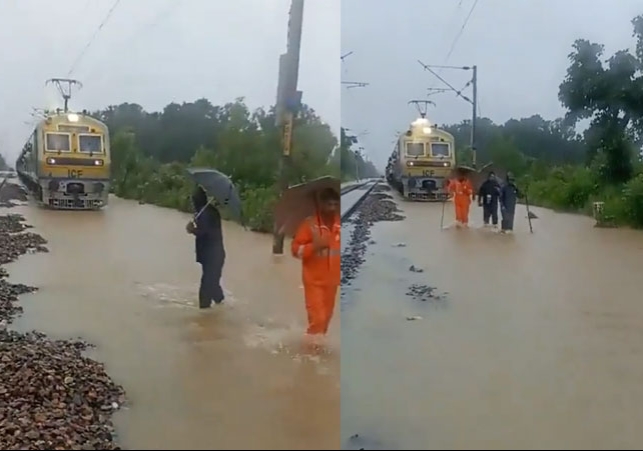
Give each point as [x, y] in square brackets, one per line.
[218, 186]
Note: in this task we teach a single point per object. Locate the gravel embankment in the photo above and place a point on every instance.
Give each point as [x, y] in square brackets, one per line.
[51, 395]
[10, 193]
[378, 206]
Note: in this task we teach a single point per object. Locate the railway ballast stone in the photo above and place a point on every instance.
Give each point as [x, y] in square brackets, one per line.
[11, 192]
[378, 206]
[426, 293]
[51, 395]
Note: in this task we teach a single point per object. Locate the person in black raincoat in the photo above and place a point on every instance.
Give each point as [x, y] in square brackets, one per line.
[488, 196]
[210, 252]
[509, 196]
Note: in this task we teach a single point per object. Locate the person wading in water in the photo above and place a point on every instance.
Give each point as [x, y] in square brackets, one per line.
[317, 244]
[462, 192]
[509, 196]
[210, 252]
[488, 199]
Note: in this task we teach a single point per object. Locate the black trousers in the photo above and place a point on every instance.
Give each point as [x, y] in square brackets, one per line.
[210, 289]
[490, 211]
[508, 220]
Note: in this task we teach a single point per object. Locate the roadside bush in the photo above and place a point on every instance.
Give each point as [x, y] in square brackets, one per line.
[632, 201]
[566, 189]
[575, 189]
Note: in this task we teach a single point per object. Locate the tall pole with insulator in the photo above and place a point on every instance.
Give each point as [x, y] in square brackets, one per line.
[474, 102]
[288, 101]
[474, 118]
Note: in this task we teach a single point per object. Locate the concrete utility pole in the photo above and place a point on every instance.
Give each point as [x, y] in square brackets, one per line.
[473, 102]
[474, 117]
[288, 100]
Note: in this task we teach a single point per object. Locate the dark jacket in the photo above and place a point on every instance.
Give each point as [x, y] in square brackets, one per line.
[209, 236]
[489, 191]
[509, 196]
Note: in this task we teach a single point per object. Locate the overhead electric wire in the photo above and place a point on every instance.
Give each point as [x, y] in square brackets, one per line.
[148, 26]
[461, 32]
[93, 38]
[454, 43]
[448, 26]
[164, 12]
[90, 42]
[87, 46]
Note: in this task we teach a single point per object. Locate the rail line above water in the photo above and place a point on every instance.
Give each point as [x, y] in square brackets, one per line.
[353, 194]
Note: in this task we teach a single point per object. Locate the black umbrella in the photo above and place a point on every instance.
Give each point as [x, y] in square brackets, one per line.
[218, 186]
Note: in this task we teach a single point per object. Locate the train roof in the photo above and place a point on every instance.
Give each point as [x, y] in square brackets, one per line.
[70, 117]
[418, 127]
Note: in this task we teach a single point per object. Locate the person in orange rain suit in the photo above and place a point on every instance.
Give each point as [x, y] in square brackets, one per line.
[462, 192]
[317, 243]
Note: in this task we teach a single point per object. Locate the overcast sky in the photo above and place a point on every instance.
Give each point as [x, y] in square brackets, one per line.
[153, 52]
[519, 46]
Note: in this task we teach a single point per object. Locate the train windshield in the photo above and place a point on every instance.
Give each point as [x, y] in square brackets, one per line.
[58, 142]
[440, 149]
[90, 143]
[415, 149]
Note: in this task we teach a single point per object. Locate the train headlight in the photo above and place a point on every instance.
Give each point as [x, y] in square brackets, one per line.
[410, 163]
[98, 162]
[51, 161]
[446, 164]
[72, 117]
[427, 130]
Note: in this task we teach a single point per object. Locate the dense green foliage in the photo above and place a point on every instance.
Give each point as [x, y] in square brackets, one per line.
[351, 160]
[567, 171]
[520, 145]
[150, 152]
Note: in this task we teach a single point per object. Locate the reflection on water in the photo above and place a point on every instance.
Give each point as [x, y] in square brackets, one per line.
[540, 345]
[230, 377]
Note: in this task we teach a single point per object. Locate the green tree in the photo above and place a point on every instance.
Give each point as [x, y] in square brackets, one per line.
[504, 153]
[351, 161]
[611, 95]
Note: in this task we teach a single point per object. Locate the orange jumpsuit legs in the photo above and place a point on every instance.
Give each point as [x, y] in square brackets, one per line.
[458, 209]
[330, 296]
[320, 304]
[461, 209]
[465, 211]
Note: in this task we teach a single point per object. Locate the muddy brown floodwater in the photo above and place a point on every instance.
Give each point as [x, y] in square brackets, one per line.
[230, 378]
[537, 345]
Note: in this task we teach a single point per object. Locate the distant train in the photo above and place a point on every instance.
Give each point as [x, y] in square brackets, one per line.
[66, 162]
[422, 161]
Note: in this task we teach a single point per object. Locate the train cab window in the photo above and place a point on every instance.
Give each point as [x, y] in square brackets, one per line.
[440, 149]
[90, 143]
[58, 142]
[415, 149]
